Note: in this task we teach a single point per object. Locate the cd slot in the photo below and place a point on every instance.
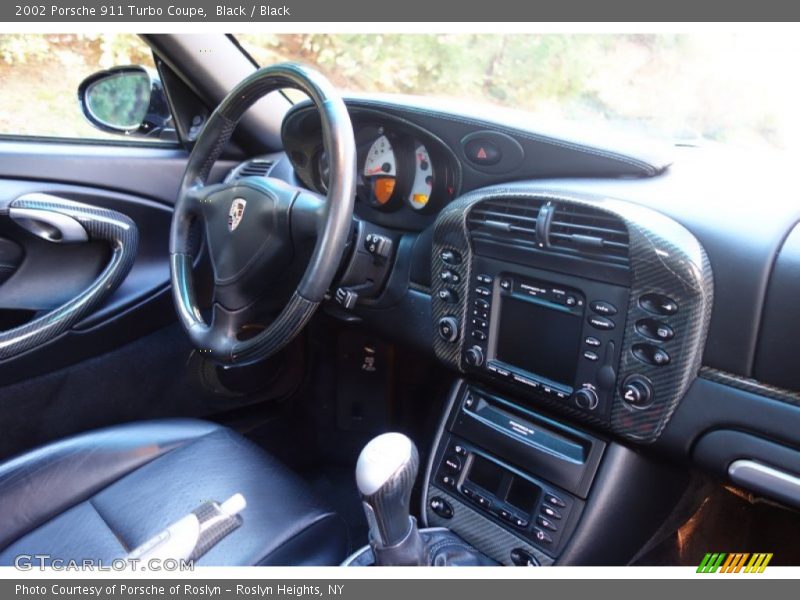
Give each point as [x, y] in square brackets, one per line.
[563, 456]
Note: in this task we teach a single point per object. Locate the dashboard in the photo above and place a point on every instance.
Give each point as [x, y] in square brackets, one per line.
[629, 288]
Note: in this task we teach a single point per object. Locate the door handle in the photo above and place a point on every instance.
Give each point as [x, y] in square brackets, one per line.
[46, 223]
[59, 220]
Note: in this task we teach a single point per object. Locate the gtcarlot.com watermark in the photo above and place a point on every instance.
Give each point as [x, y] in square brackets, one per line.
[30, 562]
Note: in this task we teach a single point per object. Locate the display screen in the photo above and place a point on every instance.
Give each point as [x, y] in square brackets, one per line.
[539, 339]
[523, 495]
[485, 474]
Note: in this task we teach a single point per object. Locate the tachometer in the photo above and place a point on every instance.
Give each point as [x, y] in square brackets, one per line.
[420, 193]
[380, 170]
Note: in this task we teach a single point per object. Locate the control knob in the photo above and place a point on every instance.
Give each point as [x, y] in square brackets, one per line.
[586, 398]
[637, 391]
[474, 356]
[448, 328]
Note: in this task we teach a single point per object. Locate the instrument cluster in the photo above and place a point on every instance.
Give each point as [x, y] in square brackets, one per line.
[397, 171]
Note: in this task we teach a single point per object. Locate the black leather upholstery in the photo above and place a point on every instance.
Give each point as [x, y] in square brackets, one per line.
[100, 494]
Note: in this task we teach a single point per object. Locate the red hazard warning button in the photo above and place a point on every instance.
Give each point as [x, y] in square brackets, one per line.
[482, 152]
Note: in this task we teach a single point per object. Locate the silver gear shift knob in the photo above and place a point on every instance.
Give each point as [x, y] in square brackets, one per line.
[385, 474]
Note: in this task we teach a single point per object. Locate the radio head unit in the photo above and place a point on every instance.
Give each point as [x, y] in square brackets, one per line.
[539, 329]
[553, 336]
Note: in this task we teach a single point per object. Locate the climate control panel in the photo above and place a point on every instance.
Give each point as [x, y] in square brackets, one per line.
[535, 510]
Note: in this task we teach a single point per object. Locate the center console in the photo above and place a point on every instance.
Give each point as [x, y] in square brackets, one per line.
[526, 489]
[553, 305]
[592, 307]
[520, 471]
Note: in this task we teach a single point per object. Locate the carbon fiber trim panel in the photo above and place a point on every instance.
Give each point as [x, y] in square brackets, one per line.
[450, 234]
[100, 224]
[452, 397]
[476, 529]
[215, 525]
[751, 385]
[664, 258]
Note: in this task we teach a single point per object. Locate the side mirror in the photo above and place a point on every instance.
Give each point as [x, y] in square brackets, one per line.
[127, 100]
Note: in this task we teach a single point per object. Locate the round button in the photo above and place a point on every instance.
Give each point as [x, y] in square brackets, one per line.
[441, 507]
[448, 329]
[523, 558]
[586, 398]
[474, 356]
[637, 391]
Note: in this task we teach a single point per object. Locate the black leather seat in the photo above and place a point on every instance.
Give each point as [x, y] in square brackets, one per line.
[100, 494]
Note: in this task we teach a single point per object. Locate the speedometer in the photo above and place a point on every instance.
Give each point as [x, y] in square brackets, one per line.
[380, 159]
[380, 170]
[420, 193]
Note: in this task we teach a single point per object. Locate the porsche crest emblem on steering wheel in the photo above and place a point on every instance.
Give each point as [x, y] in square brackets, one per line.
[236, 213]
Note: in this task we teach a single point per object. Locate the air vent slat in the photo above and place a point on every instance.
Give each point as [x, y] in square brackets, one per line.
[506, 220]
[490, 214]
[588, 228]
[253, 168]
[574, 230]
[588, 232]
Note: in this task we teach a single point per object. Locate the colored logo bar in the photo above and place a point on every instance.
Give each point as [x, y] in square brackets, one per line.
[736, 562]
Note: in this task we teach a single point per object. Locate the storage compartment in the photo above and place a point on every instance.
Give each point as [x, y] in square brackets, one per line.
[752, 462]
[561, 455]
[780, 326]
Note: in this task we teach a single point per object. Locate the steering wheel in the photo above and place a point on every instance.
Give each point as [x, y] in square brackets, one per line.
[252, 225]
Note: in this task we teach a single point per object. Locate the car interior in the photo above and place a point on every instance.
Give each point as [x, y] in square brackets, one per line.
[405, 330]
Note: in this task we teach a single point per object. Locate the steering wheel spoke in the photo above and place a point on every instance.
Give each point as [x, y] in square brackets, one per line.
[253, 225]
[308, 215]
[223, 332]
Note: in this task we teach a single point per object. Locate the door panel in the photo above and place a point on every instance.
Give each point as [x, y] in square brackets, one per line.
[148, 172]
[139, 182]
[129, 359]
[50, 274]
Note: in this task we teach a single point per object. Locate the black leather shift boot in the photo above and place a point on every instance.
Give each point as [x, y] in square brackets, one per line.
[442, 548]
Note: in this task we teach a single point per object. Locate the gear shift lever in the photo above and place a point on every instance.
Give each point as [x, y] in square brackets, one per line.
[385, 474]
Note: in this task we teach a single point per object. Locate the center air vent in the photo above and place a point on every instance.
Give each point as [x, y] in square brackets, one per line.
[506, 220]
[258, 167]
[584, 231]
[556, 227]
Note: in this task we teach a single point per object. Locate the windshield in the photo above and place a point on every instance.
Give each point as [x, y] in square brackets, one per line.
[734, 89]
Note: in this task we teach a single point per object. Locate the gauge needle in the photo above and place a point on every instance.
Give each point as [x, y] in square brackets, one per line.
[375, 171]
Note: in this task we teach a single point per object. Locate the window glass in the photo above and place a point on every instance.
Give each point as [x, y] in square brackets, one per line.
[40, 75]
[686, 88]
